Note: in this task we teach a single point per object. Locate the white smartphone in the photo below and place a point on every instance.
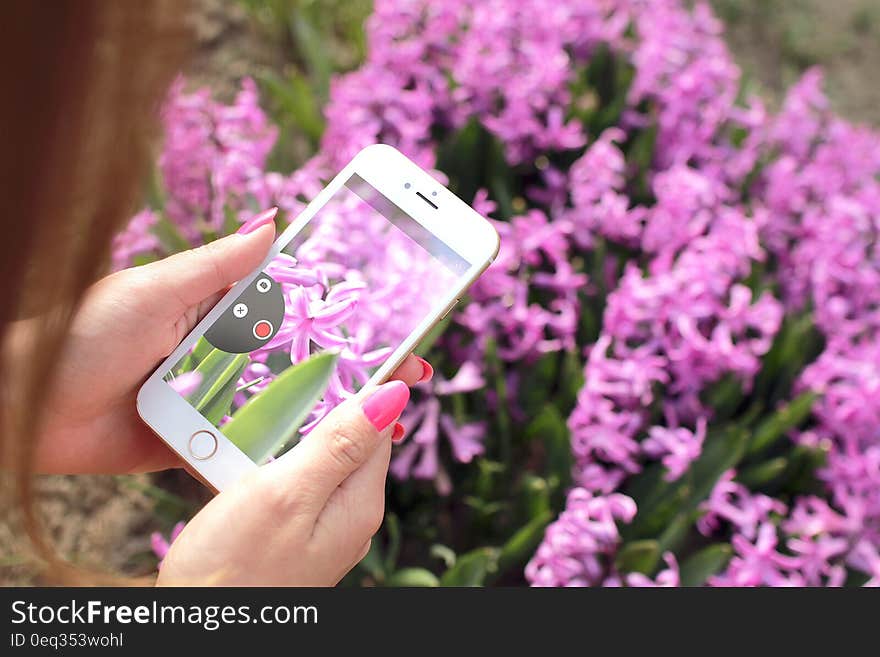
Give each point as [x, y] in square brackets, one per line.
[347, 291]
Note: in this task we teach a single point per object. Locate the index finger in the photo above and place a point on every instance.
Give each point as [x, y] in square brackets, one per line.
[413, 370]
[341, 443]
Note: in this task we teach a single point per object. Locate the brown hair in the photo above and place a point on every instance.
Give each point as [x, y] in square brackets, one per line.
[82, 83]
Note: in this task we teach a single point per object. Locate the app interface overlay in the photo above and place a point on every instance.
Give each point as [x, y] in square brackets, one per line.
[354, 282]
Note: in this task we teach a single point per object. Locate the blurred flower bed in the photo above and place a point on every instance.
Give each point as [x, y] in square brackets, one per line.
[671, 374]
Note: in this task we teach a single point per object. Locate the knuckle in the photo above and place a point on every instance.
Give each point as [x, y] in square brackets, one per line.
[213, 255]
[279, 498]
[346, 447]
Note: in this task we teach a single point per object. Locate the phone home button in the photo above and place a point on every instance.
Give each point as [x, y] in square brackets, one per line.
[202, 445]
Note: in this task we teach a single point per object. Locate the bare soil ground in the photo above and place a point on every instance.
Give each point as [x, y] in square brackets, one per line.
[774, 41]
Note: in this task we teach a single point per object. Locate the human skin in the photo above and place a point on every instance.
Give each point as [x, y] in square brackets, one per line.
[308, 516]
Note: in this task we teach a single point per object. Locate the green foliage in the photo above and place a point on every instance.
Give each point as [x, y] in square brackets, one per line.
[219, 373]
[471, 569]
[413, 577]
[170, 237]
[316, 40]
[705, 563]
[638, 556]
[487, 530]
[516, 552]
[769, 431]
[745, 438]
[474, 159]
[268, 420]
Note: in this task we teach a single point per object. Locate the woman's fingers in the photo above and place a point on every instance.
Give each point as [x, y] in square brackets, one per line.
[413, 370]
[358, 504]
[341, 444]
[185, 280]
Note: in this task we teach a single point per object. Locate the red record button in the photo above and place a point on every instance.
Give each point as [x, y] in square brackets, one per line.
[262, 329]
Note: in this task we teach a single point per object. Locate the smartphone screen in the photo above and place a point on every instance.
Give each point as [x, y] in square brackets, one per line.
[342, 295]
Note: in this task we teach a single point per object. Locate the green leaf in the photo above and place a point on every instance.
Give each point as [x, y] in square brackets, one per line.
[724, 397]
[781, 422]
[660, 501]
[311, 47]
[143, 259]
[218, 369]
[220, 404]
[464, 158]
[488, 472]
[696, 569]
[270, 419]
[549, 430]
[607, 79]
[155, 191]
[195, 356]
[297, 103]
[444, 553]
[649, 487]
[797, 343]
[803, 464]
[760, 475]
[520, 547]
[641, 150]
[485, 508]
[536, 492]
[177, 507]
[502, 416]
[677, 530]
[373, 562]
[472, 568]
[572, 378]
[720, 453]
[640, 155]
[392, 528]
[230, 221]
[638, 556]
[170, 237]
[413, 577]
[657, 501]
[200, 351]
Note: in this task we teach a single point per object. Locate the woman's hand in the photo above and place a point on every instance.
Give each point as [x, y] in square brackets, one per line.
[305, 519]
[127, 323]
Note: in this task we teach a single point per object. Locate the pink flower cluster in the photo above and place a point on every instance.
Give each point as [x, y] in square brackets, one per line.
[419, 458]
[342, 293]
[727, 189]
[822, 196]
[684, 325]
[535, 255]
[822, 199]
[214, 157]
[579, 548]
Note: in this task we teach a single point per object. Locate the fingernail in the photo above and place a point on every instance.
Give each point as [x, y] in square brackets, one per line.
[398, 433]
[386, 404]
[427, 370]
[258, 221]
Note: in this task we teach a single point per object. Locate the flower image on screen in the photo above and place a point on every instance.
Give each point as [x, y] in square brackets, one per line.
[312, 328]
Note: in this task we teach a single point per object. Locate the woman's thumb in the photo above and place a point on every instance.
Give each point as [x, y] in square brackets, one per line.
[342, 443]
[192, 276]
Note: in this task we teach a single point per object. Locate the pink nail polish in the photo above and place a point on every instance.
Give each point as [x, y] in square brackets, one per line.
[427, 370]
[258, 221]
[398, 433]
[386, 404]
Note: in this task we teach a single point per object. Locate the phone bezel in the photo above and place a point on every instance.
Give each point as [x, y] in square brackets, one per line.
[453, 221]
